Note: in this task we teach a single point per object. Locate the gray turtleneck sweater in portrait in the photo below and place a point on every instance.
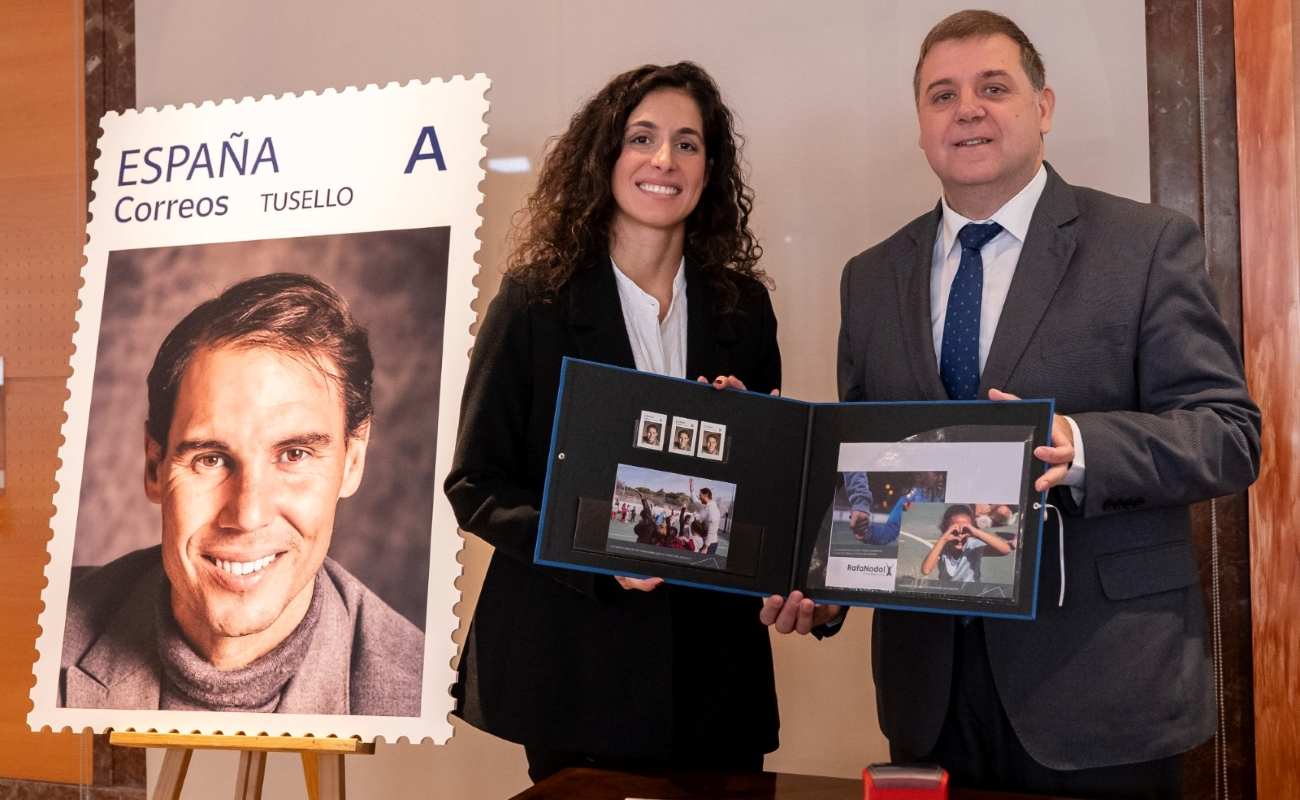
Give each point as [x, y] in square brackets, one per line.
[351, 654]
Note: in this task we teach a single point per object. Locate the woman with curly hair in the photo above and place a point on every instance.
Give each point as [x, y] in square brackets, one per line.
[635, 250]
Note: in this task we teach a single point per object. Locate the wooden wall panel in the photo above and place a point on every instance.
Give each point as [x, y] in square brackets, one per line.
[1267, 38]
[42, 229]
[110, 67]
[1193, 123]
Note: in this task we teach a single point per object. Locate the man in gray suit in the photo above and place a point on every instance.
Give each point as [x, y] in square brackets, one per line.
[1017, 282]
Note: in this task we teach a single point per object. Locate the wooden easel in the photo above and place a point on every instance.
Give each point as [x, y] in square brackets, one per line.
[322, 760]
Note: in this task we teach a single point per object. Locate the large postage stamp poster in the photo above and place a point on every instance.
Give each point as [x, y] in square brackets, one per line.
[250, 534]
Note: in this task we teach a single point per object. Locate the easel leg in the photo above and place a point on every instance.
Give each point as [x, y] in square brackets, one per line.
[176, 762]
[325, 776]
[248, 781]
[309, 774]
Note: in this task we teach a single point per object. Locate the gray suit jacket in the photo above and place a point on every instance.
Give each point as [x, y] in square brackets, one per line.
[1110, 313]
[364, 657]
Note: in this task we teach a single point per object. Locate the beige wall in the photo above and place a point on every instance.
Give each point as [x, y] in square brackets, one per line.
[823, 97]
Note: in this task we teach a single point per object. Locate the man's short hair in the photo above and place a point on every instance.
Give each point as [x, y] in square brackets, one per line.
[972, 23]
[955, 511]
[707, 492]
[297, 315]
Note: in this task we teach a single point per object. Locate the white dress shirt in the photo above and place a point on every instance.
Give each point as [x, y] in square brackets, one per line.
[656, 346]
[1000, 256]
[710, 517]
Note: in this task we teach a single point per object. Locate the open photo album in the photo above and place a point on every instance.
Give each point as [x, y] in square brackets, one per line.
[926, 506]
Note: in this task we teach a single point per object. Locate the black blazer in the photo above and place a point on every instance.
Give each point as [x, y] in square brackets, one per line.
[1110, 312]
[569, 660]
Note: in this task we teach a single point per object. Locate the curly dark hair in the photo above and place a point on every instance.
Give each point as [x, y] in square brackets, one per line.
[952, 512]
[565, 226]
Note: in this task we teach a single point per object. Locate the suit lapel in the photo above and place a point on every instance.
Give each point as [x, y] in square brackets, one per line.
[1043, 262]
[709, 335]
[122, 670]
[325, 687]
[595, 316]
[914, 268]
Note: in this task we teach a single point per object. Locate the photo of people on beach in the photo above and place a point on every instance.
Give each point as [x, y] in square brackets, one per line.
[666, 516]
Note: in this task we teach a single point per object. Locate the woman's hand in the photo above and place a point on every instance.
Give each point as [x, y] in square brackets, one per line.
[731, 382]
[638, 584]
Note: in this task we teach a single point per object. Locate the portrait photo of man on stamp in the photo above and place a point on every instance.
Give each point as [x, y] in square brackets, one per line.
[259, 419]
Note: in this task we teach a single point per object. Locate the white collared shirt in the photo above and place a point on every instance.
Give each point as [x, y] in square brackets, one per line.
[656, 346]
[1000, 255]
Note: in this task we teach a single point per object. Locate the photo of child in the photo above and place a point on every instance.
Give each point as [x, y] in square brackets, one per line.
[967, 548]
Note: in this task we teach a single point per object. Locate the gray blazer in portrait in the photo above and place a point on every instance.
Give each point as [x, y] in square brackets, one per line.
[1111, 313]
[364, 657]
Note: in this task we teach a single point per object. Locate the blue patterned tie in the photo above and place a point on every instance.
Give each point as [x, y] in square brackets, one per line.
[959, 361]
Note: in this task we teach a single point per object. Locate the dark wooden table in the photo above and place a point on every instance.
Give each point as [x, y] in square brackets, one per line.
[598, 784]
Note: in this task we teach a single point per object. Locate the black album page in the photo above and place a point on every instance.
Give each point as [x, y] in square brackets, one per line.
[656, 476]
[926, 506]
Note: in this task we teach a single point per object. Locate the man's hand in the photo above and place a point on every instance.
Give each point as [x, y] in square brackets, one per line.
[859, 523]
[795, 613]
[1058, 456]
[638, 584]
